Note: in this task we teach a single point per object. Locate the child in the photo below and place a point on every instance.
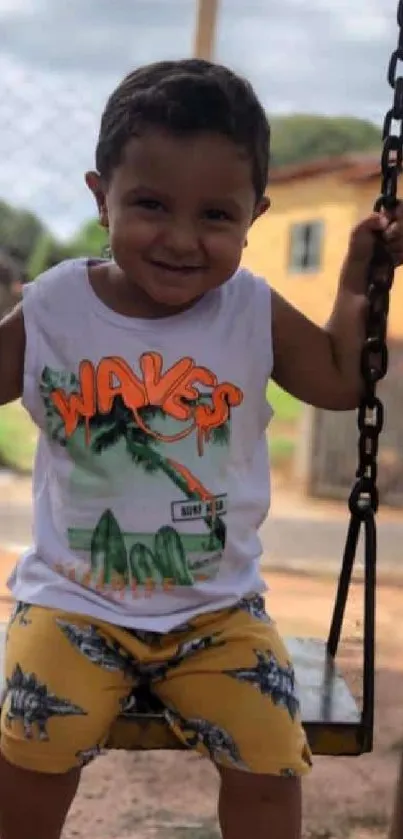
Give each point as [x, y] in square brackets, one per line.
[147, 377]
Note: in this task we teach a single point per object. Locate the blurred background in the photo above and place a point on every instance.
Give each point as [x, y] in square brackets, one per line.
[319, 67]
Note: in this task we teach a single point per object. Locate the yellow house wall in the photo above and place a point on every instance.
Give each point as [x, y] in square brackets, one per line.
[339, 205]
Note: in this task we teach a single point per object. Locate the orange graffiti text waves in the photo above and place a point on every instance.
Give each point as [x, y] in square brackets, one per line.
[175, 391]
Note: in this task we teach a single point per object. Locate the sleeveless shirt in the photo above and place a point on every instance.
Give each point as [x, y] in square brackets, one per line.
[151, 476]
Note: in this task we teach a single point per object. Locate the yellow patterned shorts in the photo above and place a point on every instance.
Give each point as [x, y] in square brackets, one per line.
[222, 685]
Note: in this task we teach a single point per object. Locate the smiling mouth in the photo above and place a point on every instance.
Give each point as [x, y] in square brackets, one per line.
[176, 269]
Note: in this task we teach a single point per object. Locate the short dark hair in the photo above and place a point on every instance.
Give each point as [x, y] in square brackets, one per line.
[186, 97]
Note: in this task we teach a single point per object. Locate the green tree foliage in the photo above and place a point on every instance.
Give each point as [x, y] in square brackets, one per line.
[46, 253]
[91, 240]
[301, 137]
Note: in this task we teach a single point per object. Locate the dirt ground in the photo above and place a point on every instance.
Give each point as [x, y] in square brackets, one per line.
[173, 795]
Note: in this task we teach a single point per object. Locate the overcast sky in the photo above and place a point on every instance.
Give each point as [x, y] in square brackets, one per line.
[59, 61]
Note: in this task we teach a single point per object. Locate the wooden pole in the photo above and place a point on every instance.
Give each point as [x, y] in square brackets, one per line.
[205, 29]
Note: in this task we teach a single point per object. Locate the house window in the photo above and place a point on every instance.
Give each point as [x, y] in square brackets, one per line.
[305, 246]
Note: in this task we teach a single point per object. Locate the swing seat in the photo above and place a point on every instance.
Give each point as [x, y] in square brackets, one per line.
[330, 715]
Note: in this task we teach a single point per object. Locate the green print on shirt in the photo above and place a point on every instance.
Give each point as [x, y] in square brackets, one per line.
[103, 449]
[139, 566]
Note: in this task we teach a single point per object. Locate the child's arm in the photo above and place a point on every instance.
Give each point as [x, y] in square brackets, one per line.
[12, 351]
[322, 366]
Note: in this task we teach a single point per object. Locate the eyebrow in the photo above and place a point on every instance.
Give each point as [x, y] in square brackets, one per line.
[227, 202]
[224, 200]
[140, 188]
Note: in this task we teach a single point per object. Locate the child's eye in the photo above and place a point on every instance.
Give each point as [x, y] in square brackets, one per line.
[151, 204]
[215, 214]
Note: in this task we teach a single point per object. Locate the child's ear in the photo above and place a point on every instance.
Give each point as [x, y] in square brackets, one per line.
[94, 183]
[261, 208]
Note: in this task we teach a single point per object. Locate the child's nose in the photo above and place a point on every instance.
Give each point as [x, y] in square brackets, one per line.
[182, 237]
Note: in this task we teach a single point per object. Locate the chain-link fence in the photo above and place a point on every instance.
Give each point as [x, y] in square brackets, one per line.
[58, 64]
[48, 130]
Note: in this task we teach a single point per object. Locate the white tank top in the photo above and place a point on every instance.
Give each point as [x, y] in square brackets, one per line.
[151, 477]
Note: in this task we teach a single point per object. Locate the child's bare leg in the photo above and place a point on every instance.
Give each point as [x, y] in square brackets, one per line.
[259, 806]
[396, 831]
[34, 805]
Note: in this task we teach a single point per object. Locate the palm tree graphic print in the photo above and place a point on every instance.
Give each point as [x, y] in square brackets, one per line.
[157, 439]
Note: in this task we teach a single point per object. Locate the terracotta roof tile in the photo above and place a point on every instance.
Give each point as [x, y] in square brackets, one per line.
[351, 167]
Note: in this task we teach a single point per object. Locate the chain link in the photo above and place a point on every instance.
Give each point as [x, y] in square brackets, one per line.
[364, 497]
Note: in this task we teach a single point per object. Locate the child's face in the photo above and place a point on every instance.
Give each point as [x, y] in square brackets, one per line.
[178, 210]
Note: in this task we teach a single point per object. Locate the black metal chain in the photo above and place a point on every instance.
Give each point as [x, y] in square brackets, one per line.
[364, 496]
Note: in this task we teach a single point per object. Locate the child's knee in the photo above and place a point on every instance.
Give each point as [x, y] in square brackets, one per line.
[268, 789]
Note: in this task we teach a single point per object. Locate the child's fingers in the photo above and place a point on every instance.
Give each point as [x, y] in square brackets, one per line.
[393, 232]
[362, 238]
